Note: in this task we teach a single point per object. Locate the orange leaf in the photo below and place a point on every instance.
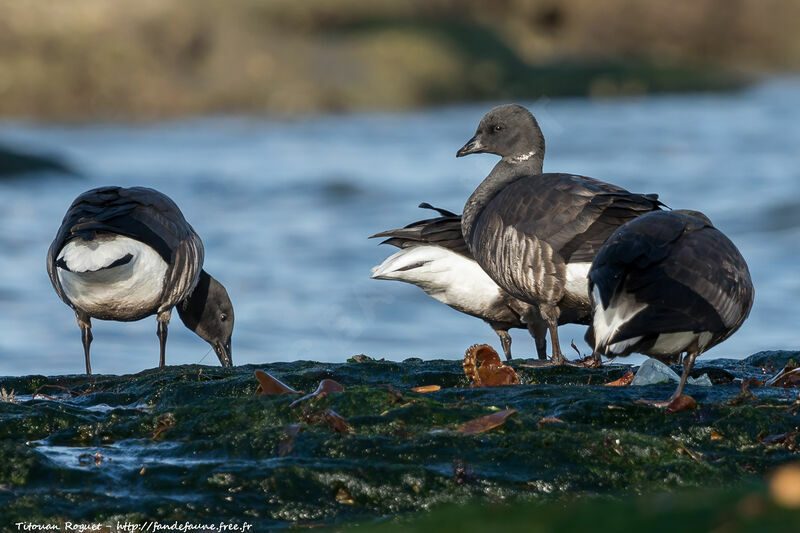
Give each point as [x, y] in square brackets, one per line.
[426, 388]
[485, 423]
[325, 386]
[268, 384]
[328, 385]
[623, 381]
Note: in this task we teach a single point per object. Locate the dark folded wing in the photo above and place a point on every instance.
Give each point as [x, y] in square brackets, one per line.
[442, 231]
[574, 215]
[145, 215]
[637, 246]
[709, 264]
[534, 226]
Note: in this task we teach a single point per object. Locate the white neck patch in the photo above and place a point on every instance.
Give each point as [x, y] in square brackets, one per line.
[524, 157]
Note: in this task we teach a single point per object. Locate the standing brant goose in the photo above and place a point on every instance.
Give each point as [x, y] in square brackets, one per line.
[536, 234]
[125, 254]
[434, 257]
[666, 283]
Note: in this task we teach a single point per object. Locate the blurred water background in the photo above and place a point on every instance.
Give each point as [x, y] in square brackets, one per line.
[285, 206]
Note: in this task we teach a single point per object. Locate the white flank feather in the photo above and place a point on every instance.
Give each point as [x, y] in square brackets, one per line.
[93, 287]
[577, 283]
[618, 348]
[608, 321]
[449, 277]
[672, 343]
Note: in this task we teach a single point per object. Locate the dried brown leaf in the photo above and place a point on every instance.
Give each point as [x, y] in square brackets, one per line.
[327, 418]
[269, 384]
[336, 422]
[326, 386]
[163, 424]
[624, 381]
[548, 420]
[485, 423]
[427, 388]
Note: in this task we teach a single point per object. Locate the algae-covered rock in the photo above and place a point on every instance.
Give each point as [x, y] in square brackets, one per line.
[196, 443]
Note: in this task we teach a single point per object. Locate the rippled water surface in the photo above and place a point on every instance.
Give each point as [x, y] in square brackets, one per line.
[284, 208]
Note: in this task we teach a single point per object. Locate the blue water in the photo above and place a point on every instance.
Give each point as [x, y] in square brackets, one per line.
[284, 208]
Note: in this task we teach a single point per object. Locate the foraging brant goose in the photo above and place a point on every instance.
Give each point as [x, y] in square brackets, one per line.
[536, 234]
[125, 254]
[434, 257]
[666, 283]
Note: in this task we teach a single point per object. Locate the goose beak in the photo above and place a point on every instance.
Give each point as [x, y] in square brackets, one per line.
[473, 146]
[224, 352]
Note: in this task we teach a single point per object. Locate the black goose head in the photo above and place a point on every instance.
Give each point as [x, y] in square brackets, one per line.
[510, 131]
[208, 311]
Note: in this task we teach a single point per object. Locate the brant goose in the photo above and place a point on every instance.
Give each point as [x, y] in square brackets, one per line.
[536, 234]
[434, 257]
[124, 254]
[666, 283]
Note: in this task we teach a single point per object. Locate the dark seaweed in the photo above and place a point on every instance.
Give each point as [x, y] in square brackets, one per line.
[194, 443]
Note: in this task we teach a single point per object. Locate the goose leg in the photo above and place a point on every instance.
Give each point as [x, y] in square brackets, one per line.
[550, 315]
[688, 364]
[558, 358]
[541, 347]
[537, 327]
[538, 330]
[85, 323]
[163, 322]
[505, 340]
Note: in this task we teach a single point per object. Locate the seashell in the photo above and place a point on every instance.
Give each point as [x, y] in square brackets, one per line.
[491, 372]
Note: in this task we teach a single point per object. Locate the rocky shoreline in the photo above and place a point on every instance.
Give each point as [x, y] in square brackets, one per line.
[195, 443]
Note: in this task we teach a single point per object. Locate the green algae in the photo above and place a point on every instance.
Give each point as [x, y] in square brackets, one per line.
[744, 509]
[194, 443]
